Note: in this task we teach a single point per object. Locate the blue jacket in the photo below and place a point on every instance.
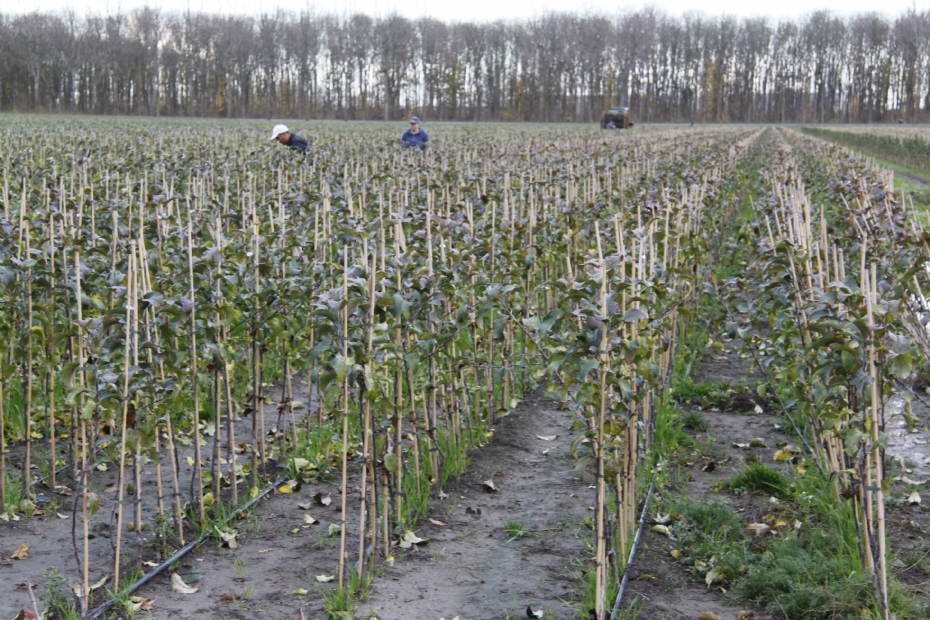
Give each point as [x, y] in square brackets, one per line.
[297, 143]
[415, 139]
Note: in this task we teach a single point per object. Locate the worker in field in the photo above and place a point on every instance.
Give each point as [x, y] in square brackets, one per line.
[415, 136]
[283, 135]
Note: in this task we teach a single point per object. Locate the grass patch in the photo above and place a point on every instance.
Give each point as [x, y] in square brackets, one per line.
[708, 394]
[695, 421]
[515, 529]
[756, 477]
[342, 601]
[669, 436]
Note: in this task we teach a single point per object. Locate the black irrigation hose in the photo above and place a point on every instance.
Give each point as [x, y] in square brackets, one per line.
[183, 551]
[629, 562]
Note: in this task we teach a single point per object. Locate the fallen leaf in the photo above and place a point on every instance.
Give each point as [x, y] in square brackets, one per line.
[285, 488]
[663, 519]
[308, 520]
[437, 522]
[22, 552]
[710, 467]
[547, 438]
[758, 528]
[533, 614]
[782, 455]
[301, 591]
[22, 586]
[489, 485]
[266, 550]
[190, 461]
[741, 446]
[660, 529]
[442, 495]
[61, 516]
[100, 584]
[675, 553]
[647, 577]
[409, 539]
[228, 537]
[334, 528]
[745, 614]
[913, 498]
[757, 409]
[229, 597]
[758, 442]
[322, 500]
[305, 505]
[325, 578]
[718, 573]
[140, 603]
[300, 463]
[178, 585]
[152, 564]
[389, 560]
[710, 615]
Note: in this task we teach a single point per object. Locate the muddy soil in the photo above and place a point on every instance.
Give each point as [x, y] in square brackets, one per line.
[49, 532]
[661, 587]
[473, 568]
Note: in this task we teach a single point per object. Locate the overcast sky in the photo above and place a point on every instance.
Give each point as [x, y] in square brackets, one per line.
[481, 10]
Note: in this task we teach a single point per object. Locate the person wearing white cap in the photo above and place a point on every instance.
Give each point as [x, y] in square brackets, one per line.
[285, 137]
[415, 137]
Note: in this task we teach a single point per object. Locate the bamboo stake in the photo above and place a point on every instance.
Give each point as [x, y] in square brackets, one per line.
[345, 415]
[198, 466]
[121, 492]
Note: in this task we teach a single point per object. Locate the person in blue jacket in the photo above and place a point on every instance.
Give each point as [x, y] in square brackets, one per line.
[415, 136]
[283, 135]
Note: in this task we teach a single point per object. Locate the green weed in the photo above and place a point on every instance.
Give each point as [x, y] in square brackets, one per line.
[515, 529]
[695, 421]
[709, 394]
[56, 595]
[757, 477]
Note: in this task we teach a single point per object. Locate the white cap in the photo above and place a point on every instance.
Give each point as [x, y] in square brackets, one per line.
[278, 130]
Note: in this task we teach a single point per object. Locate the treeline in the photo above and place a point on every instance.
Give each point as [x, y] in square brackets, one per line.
[555, 67]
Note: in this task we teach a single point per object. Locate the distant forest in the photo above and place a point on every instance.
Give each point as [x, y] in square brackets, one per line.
[554, 67]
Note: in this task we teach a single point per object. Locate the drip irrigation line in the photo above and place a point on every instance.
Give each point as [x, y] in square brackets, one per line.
[183, 551]
[629, 562]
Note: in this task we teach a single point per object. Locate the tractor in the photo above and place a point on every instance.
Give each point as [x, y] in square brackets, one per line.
[620, 117]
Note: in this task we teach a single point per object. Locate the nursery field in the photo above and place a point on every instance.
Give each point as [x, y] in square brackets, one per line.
[535, 370]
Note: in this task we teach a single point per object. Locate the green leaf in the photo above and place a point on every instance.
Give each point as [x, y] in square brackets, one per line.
[390, 462]
[901, 366]
[634, 314]
[67, 373]
[586, 367]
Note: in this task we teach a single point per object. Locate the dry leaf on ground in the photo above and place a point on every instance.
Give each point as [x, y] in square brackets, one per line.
[22, 552]
[710, 615]
[178, 585]
[140, 603]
